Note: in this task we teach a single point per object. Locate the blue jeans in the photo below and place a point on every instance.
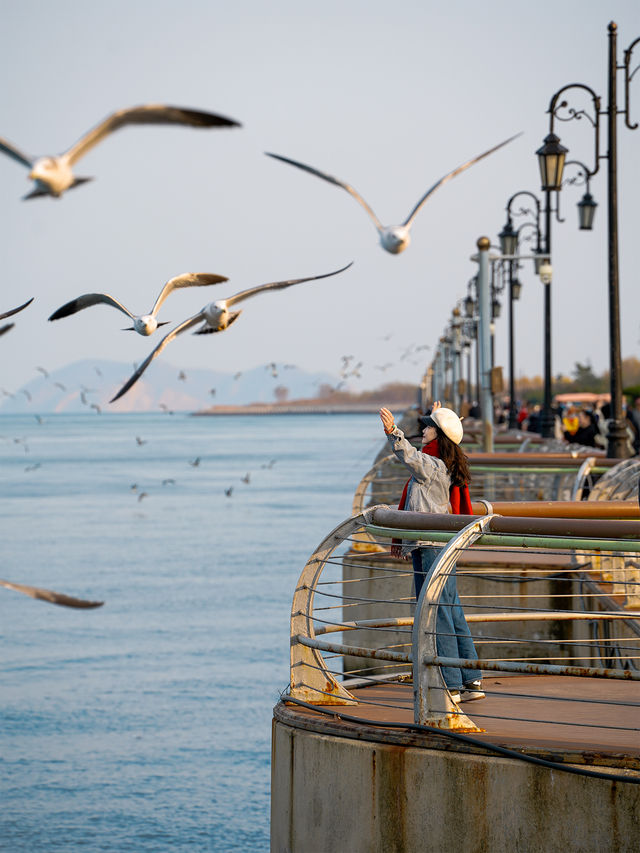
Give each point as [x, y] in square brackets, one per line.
[453, 637]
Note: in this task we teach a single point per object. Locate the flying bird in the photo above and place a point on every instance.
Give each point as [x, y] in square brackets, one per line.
[53, 175]
[215, 317]
[15, 310]
[393, 238]
[144, 324]
[50, 596]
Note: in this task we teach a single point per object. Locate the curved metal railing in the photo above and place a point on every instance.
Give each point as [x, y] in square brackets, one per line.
[496, 477]
[619, 483]
[526, 584]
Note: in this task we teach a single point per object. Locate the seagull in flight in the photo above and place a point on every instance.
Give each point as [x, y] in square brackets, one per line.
[144, 324]
[53, 175]
[215, 317]
[50, 596]
[15, 310]
[393, 238]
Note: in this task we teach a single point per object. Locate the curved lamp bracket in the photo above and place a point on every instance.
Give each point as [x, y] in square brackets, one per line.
[556, 106]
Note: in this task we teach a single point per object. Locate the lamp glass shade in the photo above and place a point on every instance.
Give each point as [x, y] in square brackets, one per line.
[469, 306]
[540, 259]
[546, 271]
[516, 289]
[551, 157]
[586, 211]
[495, 309]
[508, 239]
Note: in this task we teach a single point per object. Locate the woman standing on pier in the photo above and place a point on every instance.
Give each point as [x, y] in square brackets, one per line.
[438, 483]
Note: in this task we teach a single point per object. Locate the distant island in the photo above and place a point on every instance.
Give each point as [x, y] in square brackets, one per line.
[328, 401]
[88, 386]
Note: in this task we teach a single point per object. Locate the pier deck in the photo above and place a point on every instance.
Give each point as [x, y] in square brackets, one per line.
[577, 720]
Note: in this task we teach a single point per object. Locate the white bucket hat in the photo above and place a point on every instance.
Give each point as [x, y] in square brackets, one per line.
[449, 423]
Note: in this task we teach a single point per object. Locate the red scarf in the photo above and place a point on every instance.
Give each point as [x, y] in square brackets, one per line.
[459, 497]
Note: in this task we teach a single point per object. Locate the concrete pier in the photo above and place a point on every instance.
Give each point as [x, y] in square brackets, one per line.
[364, 788]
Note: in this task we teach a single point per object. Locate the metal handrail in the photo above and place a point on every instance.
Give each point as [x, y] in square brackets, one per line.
[323, 608]
[525, 476]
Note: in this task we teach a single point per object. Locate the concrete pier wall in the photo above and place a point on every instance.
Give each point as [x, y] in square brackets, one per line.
[333, 794]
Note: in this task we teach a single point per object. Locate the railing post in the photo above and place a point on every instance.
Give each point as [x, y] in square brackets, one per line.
[310, 679]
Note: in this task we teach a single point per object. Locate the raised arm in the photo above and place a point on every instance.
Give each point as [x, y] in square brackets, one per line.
[422, 466]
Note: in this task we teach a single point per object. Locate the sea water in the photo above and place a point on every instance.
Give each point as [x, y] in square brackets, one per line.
[144, 725]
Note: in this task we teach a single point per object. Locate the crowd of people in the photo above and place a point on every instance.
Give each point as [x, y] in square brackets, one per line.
[576, 424]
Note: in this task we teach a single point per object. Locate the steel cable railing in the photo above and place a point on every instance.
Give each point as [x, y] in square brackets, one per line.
[358, 637]
[497, 477]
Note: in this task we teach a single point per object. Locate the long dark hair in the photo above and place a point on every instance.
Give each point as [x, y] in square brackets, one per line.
[455, 460]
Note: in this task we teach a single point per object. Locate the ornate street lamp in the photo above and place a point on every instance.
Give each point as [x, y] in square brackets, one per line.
[587, 204]
[516, 289]
[541, 261]
[551, 161]
[586, 211]
[617, 438]
[508, 238]
[469, 305]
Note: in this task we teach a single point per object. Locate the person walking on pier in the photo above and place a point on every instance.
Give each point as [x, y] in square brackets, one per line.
[438, 483]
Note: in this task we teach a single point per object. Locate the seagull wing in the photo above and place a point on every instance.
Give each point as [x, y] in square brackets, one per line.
[187, 324]
[331, 180]
[86, 301]
[15, 310]
[6, 328]
[187, 279]
[50, 595]
[145, 114]
[16, 154]
[279, 285]
[453, 174]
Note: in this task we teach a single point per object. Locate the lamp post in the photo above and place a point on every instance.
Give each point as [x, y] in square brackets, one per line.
[551, 165]
[470, 306]
[456, 345]
[509, 246]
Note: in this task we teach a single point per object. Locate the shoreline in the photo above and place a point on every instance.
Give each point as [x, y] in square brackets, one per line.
[298, 409]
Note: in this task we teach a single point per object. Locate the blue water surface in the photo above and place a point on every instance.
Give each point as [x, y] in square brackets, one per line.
[144, 725]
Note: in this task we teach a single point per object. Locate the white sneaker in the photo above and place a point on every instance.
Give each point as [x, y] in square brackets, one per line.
[472, 690]
[455, 696]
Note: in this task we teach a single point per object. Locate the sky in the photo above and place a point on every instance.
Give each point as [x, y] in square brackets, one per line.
[387, 98]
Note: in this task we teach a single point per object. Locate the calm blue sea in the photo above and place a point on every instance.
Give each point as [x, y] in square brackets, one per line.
[144, 725]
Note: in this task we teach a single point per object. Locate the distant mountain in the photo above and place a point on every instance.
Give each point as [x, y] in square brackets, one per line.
[89, 385]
